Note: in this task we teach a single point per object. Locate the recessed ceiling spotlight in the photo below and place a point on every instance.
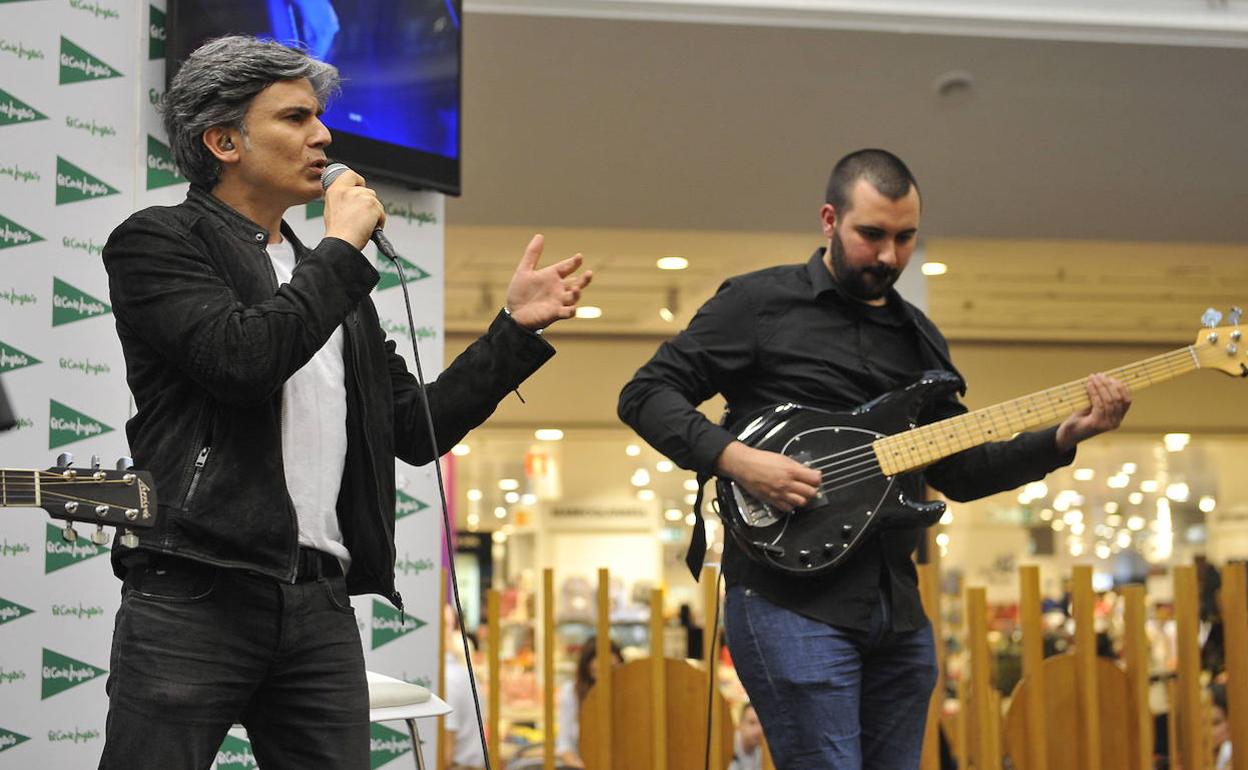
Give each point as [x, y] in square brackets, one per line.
[548, 434]
[672, 263]
[589, 311]
[459, 450]
[632, 450]
[667, 315]
[934, 268]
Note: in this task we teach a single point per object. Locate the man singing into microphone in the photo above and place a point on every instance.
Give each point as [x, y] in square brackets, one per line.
[270, 409]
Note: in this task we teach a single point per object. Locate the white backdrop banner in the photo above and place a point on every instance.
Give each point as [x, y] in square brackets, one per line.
[81, 147]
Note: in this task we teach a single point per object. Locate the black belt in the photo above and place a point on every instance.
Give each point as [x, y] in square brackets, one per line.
[314, 564]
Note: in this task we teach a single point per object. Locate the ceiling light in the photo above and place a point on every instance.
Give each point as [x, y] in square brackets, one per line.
[511, 498]
[508, 484]
[474, 521]
[528, 498]
[1084, 474]
[1149, 485]
[1135, 523]
[664, 466]
[548, 434]
[691, 485]
[1207, 504]
[690, 519]
[1135, 498]
[1072, 516]
[589, 311]
[667, 315]
[946, 518]
[1058, 525]
[1036, 490]
[459, 450]
[673, 514]
[1102, 551]
[1128, 468]
[1124, 539]
[641, 477]
[1176, 442]
[1077, 528]
[632, 450]
[499, 537]
[1178, 492]
[1076, 547]
[691, 498]
[942, 540]
[1113, 520]
[934, 268]
[474, 495]
[1111, 507]
[1118, 480]
[672, 263]
[500, 512]
[1046, 514]
[645, 495]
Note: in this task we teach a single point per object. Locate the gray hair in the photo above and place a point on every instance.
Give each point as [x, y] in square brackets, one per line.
[215, 86]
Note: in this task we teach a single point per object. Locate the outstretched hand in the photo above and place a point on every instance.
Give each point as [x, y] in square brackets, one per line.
[1110, 399]
[537, 297]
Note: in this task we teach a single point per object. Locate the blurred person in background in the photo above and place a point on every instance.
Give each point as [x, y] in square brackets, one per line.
[572, 698]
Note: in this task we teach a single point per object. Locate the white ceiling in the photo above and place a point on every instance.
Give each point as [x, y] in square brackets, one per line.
[609, 123]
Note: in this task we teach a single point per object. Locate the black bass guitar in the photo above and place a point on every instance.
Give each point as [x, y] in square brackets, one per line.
[870, 457]
[122, 498]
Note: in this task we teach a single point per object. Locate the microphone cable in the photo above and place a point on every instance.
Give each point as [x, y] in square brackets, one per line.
[712, 685]
[446, 518]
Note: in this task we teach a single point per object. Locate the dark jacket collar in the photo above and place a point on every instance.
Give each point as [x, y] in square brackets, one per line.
[235, 223]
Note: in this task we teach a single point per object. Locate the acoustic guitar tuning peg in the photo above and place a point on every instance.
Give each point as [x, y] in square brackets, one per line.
[64, 459]
[69, 534]
[95, 462]
[129, 540]
[99, 536]
[1234, 314]
[125, 463]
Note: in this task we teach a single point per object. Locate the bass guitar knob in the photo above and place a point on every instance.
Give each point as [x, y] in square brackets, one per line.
[804, 557]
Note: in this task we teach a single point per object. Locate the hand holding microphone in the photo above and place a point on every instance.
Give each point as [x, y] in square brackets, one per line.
[352, 211]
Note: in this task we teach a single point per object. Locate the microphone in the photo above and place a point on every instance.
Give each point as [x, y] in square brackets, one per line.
[332, 172]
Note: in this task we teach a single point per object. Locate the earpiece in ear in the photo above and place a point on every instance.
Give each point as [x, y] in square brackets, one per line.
[227, 145]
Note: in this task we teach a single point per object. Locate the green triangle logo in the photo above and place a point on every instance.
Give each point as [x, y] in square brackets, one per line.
[11, 358]
[14, 110]
[390, 273]
[13, 234]
[73, 184]
[404, 504]
[60, 553]
[389, 624]
[161, 170]
[66, 425]
[61, 672]
[155, 33]
[385, 745]
[9, 611]
[78, 66]
[70, 304]
[235, 754]
[314, 209]
[8, 738]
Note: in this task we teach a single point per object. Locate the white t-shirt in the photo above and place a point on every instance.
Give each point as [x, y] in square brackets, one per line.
[314, 433]
[467, 749]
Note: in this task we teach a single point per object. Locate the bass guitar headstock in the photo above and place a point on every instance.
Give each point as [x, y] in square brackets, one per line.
[1222, 347]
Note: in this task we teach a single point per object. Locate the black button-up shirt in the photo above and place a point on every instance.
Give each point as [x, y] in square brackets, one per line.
[788, 334]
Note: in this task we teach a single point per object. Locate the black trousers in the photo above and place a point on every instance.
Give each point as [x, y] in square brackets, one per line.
[198, 649]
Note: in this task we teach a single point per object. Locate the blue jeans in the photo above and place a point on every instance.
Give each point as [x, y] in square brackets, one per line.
[197, 649]
[831, 698]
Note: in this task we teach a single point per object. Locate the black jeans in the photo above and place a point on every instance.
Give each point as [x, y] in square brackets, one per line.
[197, 649]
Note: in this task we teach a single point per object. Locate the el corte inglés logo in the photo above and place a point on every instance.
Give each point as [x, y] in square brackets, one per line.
[14, 110]
[69, 304]
[95, 9]
[61, 672]
[11, 358]
[73, 184]
[9, 739]
[235, 754]
[390, 273]
[385, 745]
[404, 504]
[66, 425]
[389, 624]
[13, 234]
[155, 33]
[60, 553]
[161, 170]
[78, 66]
[10, 611]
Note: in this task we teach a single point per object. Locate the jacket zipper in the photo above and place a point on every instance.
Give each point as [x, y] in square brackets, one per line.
[200, 462]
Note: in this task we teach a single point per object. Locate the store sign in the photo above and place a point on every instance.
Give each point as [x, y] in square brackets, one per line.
[593, 513]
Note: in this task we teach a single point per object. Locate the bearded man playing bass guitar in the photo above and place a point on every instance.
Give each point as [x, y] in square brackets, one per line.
[840, 663]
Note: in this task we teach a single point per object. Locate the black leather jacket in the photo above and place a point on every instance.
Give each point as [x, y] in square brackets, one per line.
[209, 339]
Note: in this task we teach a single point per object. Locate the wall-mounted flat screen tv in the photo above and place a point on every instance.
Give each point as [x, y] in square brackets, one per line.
[398, 115]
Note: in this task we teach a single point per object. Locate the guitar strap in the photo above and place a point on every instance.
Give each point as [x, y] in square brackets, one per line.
[696, 555]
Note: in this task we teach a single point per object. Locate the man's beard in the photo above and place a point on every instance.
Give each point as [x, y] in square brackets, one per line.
[865, 283]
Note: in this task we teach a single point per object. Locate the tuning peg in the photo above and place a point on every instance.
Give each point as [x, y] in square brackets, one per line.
[95, 462]
[1233, 315]
[128, 539]
[69, 534]
[99, 536]
[64, 459]
[125, 463]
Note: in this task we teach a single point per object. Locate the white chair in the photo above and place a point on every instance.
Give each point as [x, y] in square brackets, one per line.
[391, 699]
